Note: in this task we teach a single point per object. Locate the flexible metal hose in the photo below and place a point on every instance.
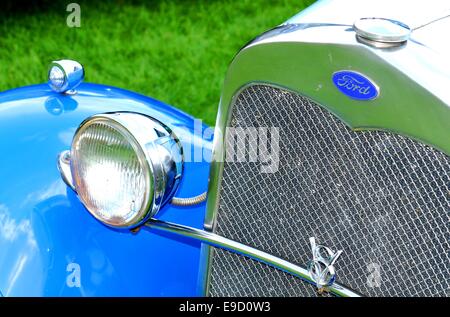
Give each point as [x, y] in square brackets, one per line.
[191, 201]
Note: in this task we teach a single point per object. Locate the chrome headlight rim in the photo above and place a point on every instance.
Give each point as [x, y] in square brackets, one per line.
[144, 133]
[143, 159]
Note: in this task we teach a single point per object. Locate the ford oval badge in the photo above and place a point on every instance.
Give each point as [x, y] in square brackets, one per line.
[355, 85]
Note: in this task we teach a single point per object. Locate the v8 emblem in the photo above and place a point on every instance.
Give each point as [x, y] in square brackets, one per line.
[321, 267]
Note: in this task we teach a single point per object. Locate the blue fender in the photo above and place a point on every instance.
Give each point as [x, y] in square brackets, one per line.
[49, 244]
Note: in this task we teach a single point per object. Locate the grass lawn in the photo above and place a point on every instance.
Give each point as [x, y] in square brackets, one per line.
[174, 51]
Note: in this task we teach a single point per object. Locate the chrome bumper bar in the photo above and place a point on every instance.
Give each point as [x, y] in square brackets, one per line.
[215, 240]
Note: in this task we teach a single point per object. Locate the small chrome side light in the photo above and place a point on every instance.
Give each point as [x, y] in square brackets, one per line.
[65, 75]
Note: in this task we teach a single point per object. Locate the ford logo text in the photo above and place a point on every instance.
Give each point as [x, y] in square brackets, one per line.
[355, 85]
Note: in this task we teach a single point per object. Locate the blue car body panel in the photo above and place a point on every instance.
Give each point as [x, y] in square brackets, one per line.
[46, 234]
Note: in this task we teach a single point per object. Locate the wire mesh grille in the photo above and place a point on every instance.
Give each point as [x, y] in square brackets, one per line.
[382, 198]
[235, 282]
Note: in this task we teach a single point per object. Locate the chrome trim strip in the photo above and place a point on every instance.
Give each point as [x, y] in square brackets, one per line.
[437, 18]
[215, 240]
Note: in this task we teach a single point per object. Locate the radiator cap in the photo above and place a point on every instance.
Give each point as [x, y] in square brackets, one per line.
[381, 30]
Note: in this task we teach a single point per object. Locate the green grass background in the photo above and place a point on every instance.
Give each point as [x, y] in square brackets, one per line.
[174, 51]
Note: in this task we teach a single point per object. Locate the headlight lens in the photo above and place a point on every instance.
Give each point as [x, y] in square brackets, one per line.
[110, 173]
[56, 77]
[121, 171]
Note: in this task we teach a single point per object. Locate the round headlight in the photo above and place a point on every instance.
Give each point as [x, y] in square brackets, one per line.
[65, 75]
[120, 171]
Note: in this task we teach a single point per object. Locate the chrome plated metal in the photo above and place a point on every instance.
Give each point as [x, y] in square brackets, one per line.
[411, 12]
[302, 55]
[382, 30]
[215, 240]
[321, 267]
[64, 168]
[190, 201]
[429, 23]
[439, 16]
[65, 75]
[159, 148]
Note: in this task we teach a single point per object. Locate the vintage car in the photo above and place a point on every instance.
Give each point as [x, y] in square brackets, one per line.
[328, 172]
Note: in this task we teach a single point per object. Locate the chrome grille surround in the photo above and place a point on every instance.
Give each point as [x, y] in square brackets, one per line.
[382, 198]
